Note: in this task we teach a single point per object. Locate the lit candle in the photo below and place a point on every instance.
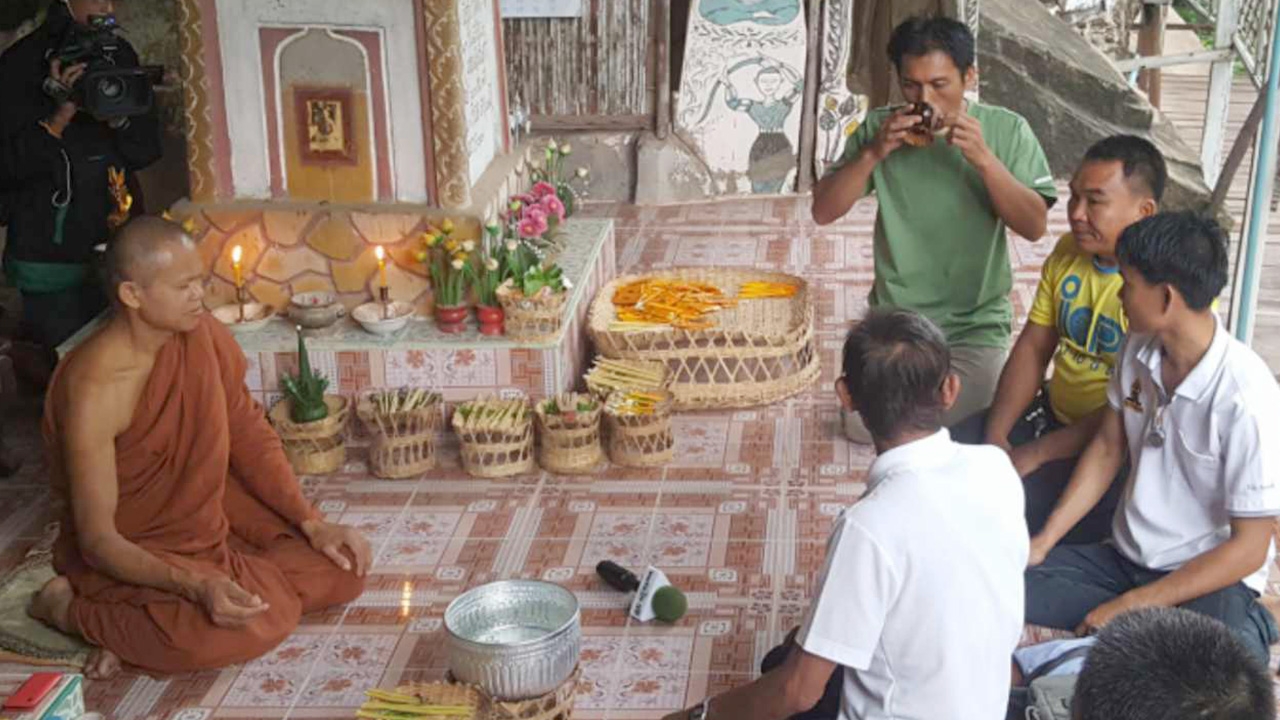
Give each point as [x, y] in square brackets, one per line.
[382, 265]
[237, 253]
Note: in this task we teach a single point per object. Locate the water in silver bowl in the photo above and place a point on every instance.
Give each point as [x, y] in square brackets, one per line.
[512, 634]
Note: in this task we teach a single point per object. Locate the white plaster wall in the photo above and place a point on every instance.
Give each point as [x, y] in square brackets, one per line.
[238, 24]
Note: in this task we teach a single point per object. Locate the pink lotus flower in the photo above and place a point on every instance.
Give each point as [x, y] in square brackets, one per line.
[533, 226]
[542, 189]
[553, 206]
[532, 211]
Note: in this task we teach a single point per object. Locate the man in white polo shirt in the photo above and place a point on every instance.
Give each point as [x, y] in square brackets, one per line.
[1198, 414]
[920, 603]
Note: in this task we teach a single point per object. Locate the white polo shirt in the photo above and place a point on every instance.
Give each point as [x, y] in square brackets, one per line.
[921, 597]
[1219, 459]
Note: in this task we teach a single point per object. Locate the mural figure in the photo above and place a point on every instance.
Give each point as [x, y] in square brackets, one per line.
[761, 12]
[324, 129]
[779, 86]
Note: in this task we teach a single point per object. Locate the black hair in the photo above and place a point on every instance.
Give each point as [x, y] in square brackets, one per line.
[1143, 162]
[1183, 249]
[918, 36]
[895, 363]
[1171, 664]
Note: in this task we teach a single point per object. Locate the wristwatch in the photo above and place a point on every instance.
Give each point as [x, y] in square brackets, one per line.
[699, 711]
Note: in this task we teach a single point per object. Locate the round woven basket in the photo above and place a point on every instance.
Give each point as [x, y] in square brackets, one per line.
[313, 448]
[401, 444]
[532, 320]
[756, 353]
[496, 453]
[641, 440]
[555, 705]
[448, 694]
[569, 444]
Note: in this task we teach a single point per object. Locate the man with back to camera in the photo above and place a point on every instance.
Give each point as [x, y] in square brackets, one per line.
[939, 520]
[944, 203]
[56, 167]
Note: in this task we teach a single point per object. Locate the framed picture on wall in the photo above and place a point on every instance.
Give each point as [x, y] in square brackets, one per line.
[325, 129]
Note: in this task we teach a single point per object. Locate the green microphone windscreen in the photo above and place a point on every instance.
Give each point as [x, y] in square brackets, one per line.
[669, 604]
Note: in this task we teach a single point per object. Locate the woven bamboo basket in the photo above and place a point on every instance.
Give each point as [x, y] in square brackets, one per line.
[602, 392]
[759, 352]
[569, 444]
[401, 444]
[641, 440]
[314, 448]
[447, 694]
[496, 453]
[555, 705]
[532, 319]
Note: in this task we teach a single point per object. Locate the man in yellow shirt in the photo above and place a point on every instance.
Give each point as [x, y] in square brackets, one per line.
[1076, 322]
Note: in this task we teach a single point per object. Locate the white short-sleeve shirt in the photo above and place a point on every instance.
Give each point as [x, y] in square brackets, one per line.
[921, 596]
[1206, 454]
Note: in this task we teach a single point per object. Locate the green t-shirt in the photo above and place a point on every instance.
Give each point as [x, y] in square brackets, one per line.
[940, 248]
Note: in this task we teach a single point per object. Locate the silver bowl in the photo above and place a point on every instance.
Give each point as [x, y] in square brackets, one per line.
[516, 639]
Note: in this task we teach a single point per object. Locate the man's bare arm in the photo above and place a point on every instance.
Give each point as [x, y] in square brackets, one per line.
[1229, 563]
[93, 413]
[839, 190]
[791, 688]
[1092, 477]
[1020, 380]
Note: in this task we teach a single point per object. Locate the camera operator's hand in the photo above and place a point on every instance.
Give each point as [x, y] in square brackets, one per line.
[65, 79]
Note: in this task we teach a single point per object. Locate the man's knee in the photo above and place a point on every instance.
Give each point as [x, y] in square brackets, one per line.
[330, 588]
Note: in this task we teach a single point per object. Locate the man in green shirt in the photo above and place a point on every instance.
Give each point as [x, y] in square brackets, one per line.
[940, 244]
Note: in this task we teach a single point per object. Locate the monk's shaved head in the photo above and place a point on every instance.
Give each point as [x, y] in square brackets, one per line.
[141, 248]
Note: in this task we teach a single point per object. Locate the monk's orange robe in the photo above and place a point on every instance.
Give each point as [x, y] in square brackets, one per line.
[203, 484]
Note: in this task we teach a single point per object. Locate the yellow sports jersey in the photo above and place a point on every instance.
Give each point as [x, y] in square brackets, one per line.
[1081, 299]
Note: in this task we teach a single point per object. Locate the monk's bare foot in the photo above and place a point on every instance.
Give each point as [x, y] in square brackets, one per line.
[102, 665]
[52, 605]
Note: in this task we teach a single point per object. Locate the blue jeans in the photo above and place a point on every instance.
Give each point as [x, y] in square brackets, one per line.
[1075, 579]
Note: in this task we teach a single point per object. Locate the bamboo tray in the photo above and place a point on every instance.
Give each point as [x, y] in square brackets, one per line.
[758, 352]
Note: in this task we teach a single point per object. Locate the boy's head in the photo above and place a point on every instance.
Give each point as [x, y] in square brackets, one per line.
[1174, 264]
[934, 58]
[1171, 664]
[897, 374]
[1120, 181]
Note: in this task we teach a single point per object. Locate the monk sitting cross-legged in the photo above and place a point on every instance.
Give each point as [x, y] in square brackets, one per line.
[186, 542]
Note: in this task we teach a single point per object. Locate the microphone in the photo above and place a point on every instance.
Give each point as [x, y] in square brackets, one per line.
[656, 597]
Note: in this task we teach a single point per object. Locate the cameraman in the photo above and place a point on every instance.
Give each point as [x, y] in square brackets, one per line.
[55, 160]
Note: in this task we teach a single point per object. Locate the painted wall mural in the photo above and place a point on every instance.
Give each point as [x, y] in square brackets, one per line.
[840, 111]
[741, 92]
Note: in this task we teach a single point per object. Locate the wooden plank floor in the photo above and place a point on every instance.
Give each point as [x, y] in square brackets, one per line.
[1184, 104]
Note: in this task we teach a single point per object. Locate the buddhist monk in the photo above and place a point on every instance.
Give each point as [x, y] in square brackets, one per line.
[186, 543]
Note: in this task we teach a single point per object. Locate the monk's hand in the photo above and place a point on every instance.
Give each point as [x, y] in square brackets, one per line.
[228, 604]
[1106, 612]
[344, 545]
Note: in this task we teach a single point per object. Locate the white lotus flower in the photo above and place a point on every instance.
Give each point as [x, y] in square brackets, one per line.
[469, 245]
[458, 263]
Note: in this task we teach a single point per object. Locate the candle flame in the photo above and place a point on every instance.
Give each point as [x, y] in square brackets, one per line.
[382, 254]
[237, 252]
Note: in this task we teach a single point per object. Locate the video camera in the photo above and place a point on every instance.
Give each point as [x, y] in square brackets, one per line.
[106, 90]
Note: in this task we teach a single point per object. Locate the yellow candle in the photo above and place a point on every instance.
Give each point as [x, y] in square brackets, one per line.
[382, 265]
[237, 253]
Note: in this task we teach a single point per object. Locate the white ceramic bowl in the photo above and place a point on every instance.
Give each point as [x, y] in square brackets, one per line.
[381, 319]
[256, 315]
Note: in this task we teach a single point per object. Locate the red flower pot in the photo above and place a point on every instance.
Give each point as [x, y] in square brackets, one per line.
[491, 319]
[451, 319]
